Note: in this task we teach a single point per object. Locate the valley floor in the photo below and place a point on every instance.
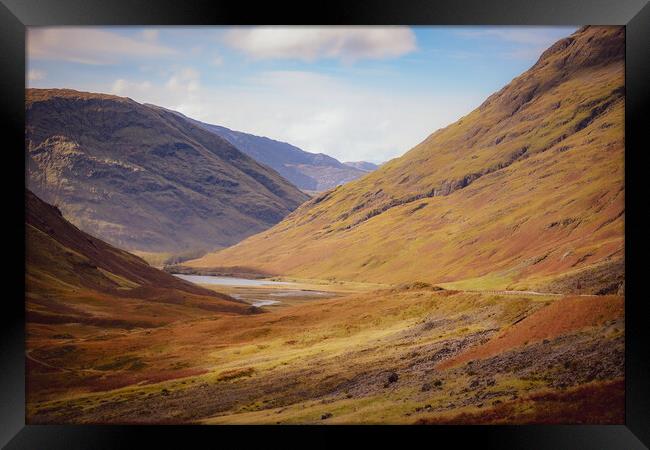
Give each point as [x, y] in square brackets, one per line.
[365, 354]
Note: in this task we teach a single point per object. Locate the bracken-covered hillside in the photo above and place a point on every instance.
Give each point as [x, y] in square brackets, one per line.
[74, 278]
[525, 192]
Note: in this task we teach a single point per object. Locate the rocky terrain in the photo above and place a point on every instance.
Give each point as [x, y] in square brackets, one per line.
[404, 355]
[146, 179]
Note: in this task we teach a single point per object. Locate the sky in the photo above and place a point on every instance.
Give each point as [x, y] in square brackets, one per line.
[355, 93]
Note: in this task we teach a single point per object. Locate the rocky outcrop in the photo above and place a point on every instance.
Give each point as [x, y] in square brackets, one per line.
[144, 178]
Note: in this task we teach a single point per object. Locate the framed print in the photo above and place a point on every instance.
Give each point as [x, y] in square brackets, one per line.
[375, 219]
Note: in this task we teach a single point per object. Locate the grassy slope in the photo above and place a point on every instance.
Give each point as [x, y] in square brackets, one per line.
[78, 286]
[103, 350]
[528, 192]
[74, 278]
[299, 363]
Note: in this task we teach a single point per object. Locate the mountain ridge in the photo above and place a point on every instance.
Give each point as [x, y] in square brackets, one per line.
[308, 171]
[417, 216]
[146, 179]
[362, 165]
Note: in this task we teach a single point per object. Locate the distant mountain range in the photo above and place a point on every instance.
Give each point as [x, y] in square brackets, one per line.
[143, 178]
[308, 171]
[362, 165]
[525, 192]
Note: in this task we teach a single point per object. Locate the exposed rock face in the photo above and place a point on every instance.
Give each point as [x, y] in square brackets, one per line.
[308, 171]
[146, 179]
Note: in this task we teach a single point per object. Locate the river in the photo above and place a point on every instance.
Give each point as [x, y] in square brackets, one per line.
[259, 292]
[230, 281]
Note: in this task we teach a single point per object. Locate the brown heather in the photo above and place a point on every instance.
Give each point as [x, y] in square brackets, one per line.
[525, 192]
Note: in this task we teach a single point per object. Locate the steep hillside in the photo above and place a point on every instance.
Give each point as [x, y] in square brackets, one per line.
[146, 179]
[525, 192]
[72, 277]
[362, 165]
[308, 171]
[80, 291]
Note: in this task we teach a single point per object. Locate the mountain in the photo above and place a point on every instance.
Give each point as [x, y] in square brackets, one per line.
[525, 192]
[362, 165]
[84, 297]
[142, 178]
[308, 171]
[100, 350]
[74, 278]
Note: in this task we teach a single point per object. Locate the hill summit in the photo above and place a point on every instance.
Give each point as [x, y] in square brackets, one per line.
[146, 179]
[525, 192]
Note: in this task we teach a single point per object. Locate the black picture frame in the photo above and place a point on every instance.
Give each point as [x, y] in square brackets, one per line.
[16, 15]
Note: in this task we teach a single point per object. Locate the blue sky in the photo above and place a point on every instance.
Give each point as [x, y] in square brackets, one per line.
[356, 93]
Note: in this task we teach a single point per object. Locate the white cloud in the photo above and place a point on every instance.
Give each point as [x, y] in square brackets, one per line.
[311, 43]
[186, 78]
[181, 91]
[36, 75]
[317, 127]
[316, 112]
[89, 46]
[127, 88]
[150, 34]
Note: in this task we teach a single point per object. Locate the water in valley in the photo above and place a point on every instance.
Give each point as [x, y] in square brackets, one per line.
[258, 293]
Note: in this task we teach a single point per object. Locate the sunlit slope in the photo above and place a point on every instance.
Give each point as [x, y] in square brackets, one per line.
[526, 191]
